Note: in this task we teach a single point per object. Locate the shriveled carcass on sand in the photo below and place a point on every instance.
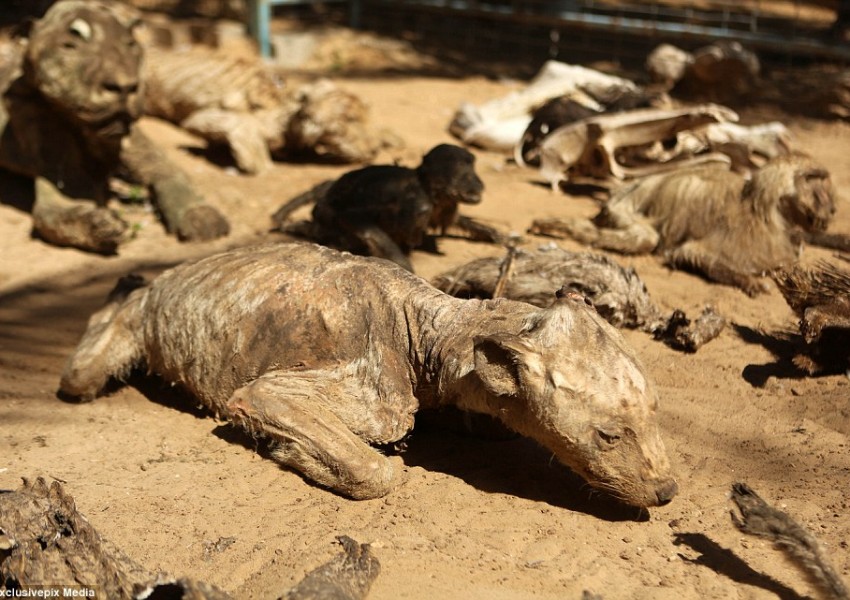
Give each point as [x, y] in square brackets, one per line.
[499, 124]
[714, 221]
[722, 71]
[606, 149]
[800, 546]
[241, 104]
[617, 293]
[326, 353]
[69, 101]
[603, 149]
[820, 297]
[46, 544]
[563, 110]
[386, 210]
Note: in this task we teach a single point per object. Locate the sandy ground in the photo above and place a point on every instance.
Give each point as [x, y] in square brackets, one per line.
[184, 493]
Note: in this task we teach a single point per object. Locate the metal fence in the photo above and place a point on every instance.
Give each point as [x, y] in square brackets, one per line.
[538, 29]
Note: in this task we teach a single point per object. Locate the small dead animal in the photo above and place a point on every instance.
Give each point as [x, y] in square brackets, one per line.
[821, 298]
[45, 541]
[617, 293]
[327, 353]
[713, 221]
[386, 210]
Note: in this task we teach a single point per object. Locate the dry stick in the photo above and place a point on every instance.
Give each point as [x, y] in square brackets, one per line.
[761, 519]
[506, 271]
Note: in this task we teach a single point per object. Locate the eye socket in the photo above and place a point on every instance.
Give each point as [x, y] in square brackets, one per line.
[607, 439]
[81, 29]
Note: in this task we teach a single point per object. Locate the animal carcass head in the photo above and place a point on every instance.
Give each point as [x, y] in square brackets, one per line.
[799, 187]
[570, 381]
[448, 173]
[83, 58]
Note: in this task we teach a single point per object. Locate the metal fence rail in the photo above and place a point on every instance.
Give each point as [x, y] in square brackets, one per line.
[763, 25]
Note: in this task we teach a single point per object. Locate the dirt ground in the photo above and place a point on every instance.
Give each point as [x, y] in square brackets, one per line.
[476, 519]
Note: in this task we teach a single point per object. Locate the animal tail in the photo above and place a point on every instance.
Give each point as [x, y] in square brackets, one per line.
[761, 519]
[311, 196]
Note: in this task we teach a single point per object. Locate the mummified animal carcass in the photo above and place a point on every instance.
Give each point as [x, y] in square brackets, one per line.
[387, 210]
[327, 353]
[718, 72]
[711, 220]
[45, 542]
[620, 144]
[618, 294]
[69, 101]
[242, 104]
[609, 148]
[820, 296]
[499, 124]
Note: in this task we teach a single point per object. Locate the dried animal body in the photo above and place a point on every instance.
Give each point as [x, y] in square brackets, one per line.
[45, 541]
[499, 124]
[618, 294]
[802, 548]
[70, 98]
[719, 71]
[326, 353]
[711, 220]
[612, 147]
[565, 110]
[240, 103]
[386, 210]
[821, 298]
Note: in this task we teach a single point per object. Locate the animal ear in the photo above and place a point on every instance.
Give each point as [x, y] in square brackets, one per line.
[496, 363]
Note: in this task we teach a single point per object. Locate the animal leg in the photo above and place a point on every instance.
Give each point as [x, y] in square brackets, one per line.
[78, 223]
[110, 347]
[833, 241]
[296, 413]
[480, 232]
[381, 245]
[241, 132]
[609, 230]
[624, 232]
[184, 212]
[817, 318]
[581, 230]
[692, 256]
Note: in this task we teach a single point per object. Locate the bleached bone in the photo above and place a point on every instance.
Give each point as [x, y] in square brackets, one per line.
[590, 147]
[749, 147]
[499, 123]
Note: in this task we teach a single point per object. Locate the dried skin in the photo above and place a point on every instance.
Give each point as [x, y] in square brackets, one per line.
[70, 99]
[243, 105]
[45, 541]
[618, 294]
[821, 298]
[327, 353]
[564, 110]
[802, 548]
[387, 210]
[713, 221]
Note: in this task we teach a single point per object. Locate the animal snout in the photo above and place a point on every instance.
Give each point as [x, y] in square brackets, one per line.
[121, 88]
[666, 491]
[473, 192]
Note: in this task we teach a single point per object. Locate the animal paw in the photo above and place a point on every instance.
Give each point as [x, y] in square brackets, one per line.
[200, 223]
[755, 286]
